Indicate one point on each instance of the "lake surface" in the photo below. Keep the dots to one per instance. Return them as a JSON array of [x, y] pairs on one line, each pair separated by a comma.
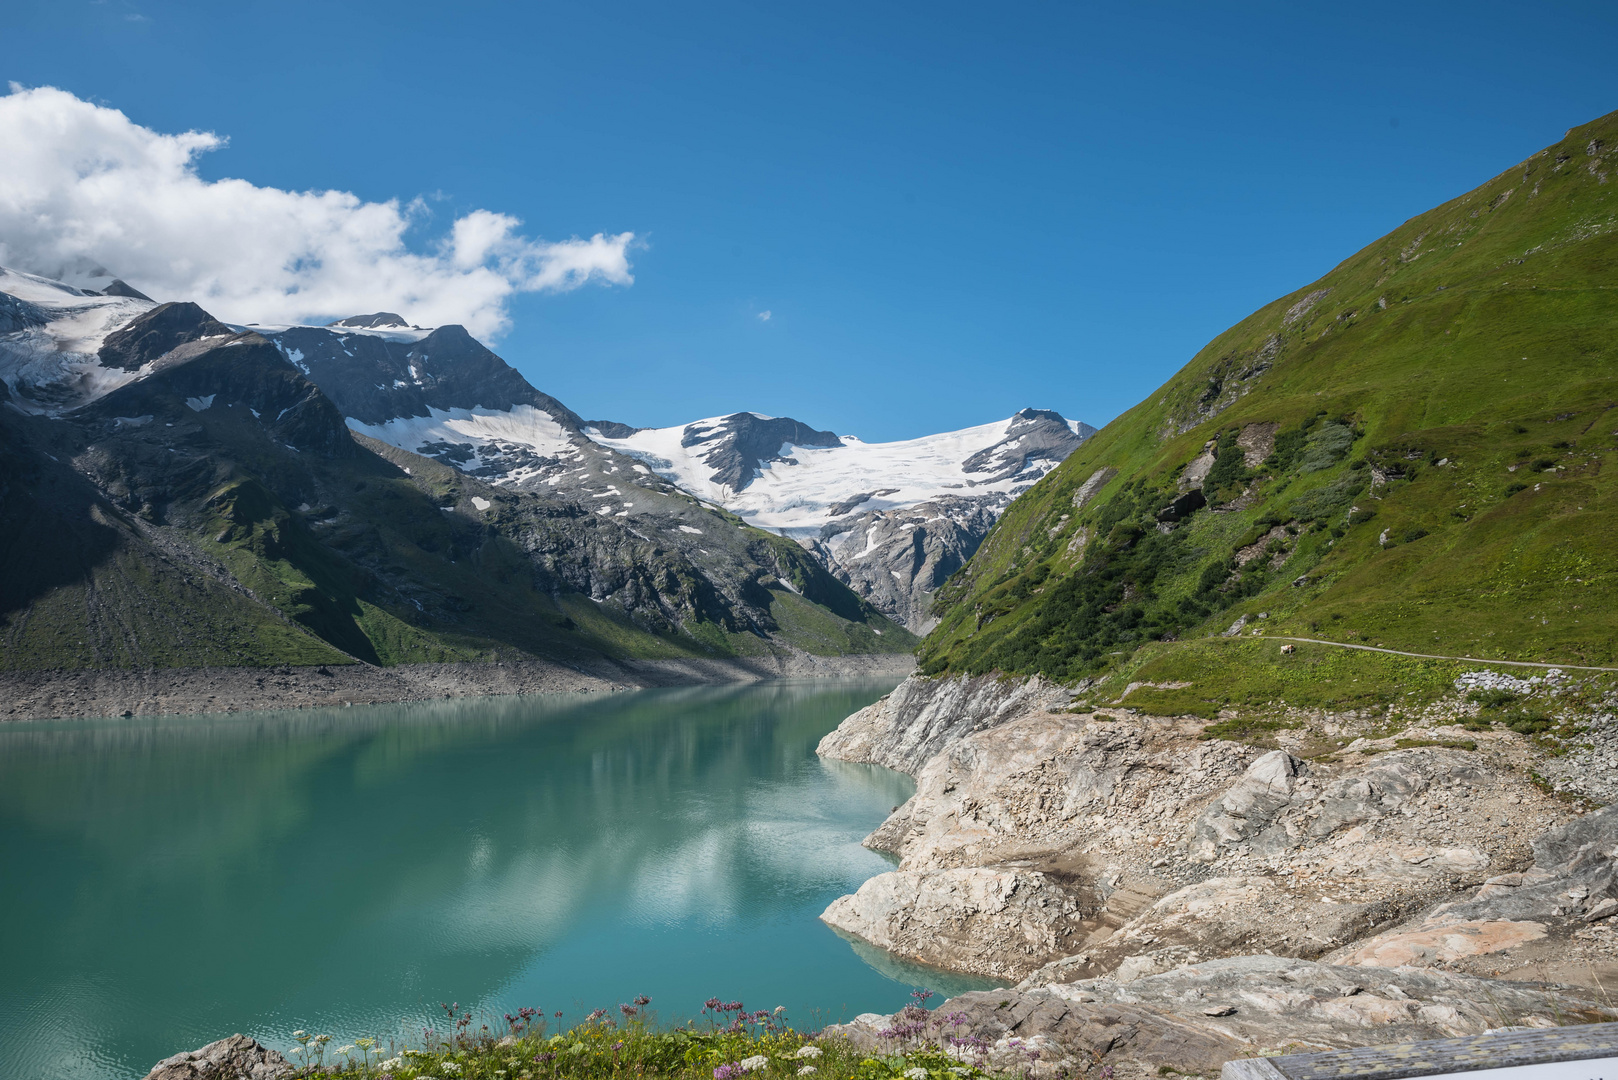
[[165, 882]]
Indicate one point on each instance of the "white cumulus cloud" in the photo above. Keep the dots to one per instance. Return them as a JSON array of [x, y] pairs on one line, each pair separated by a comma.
[[764, 316], [85, 191]]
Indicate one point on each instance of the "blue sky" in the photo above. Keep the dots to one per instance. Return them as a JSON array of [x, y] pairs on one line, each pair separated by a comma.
[[949, 211]]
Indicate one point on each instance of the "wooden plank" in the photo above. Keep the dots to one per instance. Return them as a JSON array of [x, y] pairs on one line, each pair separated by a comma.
[[1250, 1069]]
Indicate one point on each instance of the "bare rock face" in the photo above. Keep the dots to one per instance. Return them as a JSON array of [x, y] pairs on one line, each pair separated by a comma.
[[1194, 1019], [235, 1058], [1276, 804], [1160, 848], [921, 716], [1571, 884], [995, 922], [896, 559]]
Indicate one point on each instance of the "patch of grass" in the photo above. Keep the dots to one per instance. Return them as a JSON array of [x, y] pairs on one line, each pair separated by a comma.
[[1253, 676], [1444, 744], [1247, 730], [729, 1044], [822, 632], [1527, 722]]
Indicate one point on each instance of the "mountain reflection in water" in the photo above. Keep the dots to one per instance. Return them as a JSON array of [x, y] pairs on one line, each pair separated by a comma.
[[171, 880]]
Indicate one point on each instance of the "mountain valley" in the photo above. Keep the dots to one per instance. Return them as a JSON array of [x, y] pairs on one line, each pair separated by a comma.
[[209, 504]]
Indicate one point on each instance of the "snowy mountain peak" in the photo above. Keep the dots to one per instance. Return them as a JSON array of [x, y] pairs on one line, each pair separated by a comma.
[[382, 320], [1032, 435], [50, 334], [783, 474], [737, 448], [155, 332]]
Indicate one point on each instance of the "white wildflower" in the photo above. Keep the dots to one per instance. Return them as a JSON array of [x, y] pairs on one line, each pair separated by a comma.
[[808, 1052], [748, 1064], [300, 1034], [391, 1064], [917, 1073], [346, 1049], [808, 1070], [450, 1067]]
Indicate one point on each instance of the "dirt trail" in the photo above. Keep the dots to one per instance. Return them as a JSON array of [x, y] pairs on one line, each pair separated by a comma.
[[1435, 656]]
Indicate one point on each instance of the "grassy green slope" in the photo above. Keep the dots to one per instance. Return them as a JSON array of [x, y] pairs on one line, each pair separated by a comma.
[[1441, 473]]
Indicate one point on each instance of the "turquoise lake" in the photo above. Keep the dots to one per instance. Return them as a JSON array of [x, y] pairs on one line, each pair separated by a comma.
[[165, 882]]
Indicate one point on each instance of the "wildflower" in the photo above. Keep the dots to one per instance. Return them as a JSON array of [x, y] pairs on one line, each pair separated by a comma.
[[642, 999], [808, 1052], [392, 1063], [779, 1009], [449, 1067], [349, 1049], [808, 1070], [712, 1003], [724, 1072], [917, 1073], [748, 1064]]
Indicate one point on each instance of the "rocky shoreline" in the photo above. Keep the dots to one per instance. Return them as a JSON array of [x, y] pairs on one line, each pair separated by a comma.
[[1113, 864], [51, 695]]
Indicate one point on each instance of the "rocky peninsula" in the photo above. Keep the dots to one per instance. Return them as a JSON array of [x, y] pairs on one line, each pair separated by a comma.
[[1166, 898]]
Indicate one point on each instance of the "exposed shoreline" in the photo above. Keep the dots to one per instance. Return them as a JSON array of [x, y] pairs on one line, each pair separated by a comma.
[[54, 695]]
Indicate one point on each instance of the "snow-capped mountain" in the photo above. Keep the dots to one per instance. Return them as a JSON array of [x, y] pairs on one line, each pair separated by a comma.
[[208, 495], [53, 335], [783, 475], [890, 520]]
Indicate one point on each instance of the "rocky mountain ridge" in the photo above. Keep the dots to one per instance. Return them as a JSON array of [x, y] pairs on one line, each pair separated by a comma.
[[891, 520], [212, 506]]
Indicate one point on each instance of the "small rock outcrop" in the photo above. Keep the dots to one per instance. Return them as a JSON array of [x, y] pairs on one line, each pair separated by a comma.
[[922, 716], [234, 1058], [993, 922]]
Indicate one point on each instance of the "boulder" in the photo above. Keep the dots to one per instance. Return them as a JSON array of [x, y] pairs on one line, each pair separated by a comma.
[[233, 1058], [999, 922]]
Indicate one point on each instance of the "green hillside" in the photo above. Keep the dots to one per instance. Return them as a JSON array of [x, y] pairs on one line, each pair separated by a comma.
[[1411, 452]]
